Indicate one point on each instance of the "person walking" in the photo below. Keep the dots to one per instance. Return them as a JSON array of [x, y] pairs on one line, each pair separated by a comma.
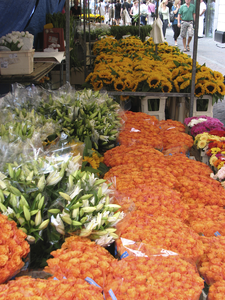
[[186, 17], [151, 12], [117, 12], [164, 9], [125, 10], [134, 12], [202, 10], [176, 29], [143, 12]]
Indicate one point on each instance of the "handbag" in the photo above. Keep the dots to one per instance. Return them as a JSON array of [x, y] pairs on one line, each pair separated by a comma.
[[172, 17], [161, 16], [152, 13]]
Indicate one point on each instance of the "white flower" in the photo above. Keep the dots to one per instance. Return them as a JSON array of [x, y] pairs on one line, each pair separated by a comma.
[[9, 212], [196, 121], [8, 40], [75, 192], [92, 179], [58, 223], [91, 225], [104, 240]]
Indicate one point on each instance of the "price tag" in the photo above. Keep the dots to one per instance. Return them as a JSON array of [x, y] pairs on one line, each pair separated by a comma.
[[125, 254]]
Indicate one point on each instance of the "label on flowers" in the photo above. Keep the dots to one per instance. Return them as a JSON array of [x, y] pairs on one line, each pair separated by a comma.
[[91, 281], [115, 251], [55, 278], [217, 233], [135, 130], [112, 295], [13, 55], [125, 254]]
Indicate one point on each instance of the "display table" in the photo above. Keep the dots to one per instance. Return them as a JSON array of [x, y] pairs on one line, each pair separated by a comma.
[[40, 70]]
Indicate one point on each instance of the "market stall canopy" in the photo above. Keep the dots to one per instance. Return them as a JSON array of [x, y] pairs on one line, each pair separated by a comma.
[[26, 15]]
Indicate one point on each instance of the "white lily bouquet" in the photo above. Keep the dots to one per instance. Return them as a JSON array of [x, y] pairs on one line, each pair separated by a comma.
[[16, 41]]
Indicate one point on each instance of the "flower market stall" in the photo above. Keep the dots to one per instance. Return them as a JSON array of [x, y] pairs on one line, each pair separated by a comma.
[[79, 174]]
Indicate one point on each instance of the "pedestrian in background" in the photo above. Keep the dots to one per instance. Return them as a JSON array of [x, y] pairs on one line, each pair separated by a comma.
[[134, 12], [151, 11], [186, 17], [202, 10], [117, 12], [143, 12], [176, 29], [164, 9]]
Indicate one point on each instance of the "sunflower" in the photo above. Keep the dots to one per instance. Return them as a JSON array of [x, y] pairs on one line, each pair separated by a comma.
[[166, 86], [91, 161], [124, 98], [135, 85], [97, 85], [221, 88], [199, 90], [204, 69], [210, 87], [88, 77], [175, 73], [119, 85], [94, 78], [218, 76], [185, 84], [153, 81], [177, 87]]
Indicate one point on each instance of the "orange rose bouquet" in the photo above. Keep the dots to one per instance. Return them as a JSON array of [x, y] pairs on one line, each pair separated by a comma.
[[207, 220], [80, 258], [40, 289], [160, 232], [212, 264], [154, 278], [198, 191], [155, 200], [13, 247], [217, 291]]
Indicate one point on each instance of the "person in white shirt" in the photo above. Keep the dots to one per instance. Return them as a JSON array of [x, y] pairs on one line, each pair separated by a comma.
[[164, 9], [134, 12], [143, 12], [202, 10]]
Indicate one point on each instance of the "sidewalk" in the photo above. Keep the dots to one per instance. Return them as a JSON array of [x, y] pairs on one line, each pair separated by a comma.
[[212, 55]]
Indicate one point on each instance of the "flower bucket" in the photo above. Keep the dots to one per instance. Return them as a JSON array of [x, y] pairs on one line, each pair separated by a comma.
[[154, 106], [203, 106]]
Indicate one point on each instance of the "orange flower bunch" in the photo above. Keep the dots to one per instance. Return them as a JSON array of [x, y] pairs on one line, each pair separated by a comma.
[[154, 278], [181, 165], [40, 289], [171, 125], [161, 232], [207, 220], [217, 291], [198, 191], [140, 128], [80, 258], [123, 155], [212, 264], [13, 247], [129, 177], [156, 200], [173, 139]]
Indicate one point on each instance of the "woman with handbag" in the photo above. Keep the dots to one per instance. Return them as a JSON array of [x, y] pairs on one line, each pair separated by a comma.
[[164, 10], [176, 29], [151, 12]]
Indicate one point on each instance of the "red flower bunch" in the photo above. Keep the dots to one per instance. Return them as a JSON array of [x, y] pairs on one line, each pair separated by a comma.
[[207, 220], [153, 278], [40, 289], [155, 200], [181, 166], [198, 191], [212, 264], [80, 258], [13, 247], [137, 154], [217, 291], [129, 177], [220, 133], [160, 232]]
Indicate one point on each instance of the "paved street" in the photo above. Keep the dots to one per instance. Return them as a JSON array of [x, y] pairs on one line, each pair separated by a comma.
[[213, 55]]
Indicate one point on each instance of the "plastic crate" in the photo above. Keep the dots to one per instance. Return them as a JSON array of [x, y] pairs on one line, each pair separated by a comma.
[[208, 107], [16, 62], [154, 106]]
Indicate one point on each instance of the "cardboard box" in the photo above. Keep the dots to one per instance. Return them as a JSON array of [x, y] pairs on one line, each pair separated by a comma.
[[17, 62]]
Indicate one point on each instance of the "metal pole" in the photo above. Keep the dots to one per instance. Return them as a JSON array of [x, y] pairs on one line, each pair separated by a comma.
[[157, 13], [67, 41], [194, 58], [85, 49], [139, 21]]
